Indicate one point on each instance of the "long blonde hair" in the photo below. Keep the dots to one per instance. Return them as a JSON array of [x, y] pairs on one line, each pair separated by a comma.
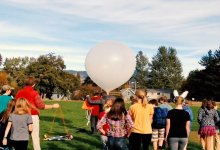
[[141, 94], [22, 106]]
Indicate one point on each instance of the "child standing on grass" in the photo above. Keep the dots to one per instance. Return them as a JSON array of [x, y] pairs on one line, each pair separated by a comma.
[[217, 126], [4, 122], [177, 126], [107, 106], [20, 123], [142, 115], [120, 124], [158, 125], [207, 118]]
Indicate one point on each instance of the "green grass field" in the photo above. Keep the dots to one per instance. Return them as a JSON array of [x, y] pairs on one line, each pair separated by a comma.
[[76, 124]]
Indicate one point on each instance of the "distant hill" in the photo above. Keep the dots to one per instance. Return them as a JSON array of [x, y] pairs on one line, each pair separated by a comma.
[[83, 74]]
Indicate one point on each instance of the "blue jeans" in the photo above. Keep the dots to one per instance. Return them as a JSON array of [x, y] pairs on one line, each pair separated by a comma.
[[117, 143]]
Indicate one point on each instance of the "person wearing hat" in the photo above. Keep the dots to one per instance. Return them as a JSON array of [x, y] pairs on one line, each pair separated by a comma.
[[5, 97]]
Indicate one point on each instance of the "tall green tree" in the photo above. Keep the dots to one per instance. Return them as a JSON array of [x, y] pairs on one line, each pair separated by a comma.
[[205, 83], [16, 66], [49, 72], [141, 72], [166, 69]]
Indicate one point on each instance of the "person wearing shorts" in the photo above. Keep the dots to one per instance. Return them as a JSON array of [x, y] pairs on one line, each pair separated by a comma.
[[158, 125]]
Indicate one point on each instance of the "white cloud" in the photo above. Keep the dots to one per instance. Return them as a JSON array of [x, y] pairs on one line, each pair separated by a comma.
[[41, 48], [73, 57], [192, 27], [129, 11], [9, 30], [190, 64]]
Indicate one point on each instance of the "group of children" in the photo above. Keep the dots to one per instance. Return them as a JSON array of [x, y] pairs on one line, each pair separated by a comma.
[[153, 121], [118, 125], [16, 125], [144, 122]]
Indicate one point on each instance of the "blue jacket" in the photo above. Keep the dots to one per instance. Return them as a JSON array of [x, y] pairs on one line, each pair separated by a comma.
[[189, 110]]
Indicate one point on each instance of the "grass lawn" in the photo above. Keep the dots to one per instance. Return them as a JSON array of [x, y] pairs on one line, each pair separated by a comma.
[[76, 124]]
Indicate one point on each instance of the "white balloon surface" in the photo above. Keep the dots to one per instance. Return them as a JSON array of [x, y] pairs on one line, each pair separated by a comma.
[[110, 64]]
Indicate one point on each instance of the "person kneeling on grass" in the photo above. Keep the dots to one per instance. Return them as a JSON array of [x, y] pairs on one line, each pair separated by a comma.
[[20, 122]]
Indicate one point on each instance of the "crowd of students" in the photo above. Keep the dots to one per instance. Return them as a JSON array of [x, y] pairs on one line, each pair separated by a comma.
[[154, 121], [134, 129], [19, 116]]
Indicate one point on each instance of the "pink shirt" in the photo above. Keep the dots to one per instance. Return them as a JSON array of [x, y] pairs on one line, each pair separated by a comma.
[[117, 128]]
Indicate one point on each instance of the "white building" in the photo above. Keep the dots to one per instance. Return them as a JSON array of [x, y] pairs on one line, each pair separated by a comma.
[[157, 93], [151, 93]]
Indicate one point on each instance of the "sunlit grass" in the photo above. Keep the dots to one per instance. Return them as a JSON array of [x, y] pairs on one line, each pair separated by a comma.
[[75, 122]]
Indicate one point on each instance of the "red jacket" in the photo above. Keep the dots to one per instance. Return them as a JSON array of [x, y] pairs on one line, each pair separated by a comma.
[[105, 126], [32, 97], [95, 110]]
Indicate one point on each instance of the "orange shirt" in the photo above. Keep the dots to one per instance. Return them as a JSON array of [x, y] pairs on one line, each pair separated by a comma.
[[141, 117]]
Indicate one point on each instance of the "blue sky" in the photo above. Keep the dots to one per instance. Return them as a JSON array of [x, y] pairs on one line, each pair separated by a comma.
[[70, 28]]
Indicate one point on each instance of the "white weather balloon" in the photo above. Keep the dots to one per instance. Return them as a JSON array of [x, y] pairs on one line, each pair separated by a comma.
[[110, 64]]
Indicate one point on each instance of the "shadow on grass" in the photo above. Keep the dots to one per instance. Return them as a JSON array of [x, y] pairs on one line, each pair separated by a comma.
[[57, 120]]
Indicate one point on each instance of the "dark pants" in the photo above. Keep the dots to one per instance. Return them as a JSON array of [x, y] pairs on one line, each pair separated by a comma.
[[136, 139], [93, 122], [117, 143], [20, 145]]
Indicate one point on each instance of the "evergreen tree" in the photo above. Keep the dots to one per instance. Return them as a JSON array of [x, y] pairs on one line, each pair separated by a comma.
[[205, 83], [141, 72], [166, 69]]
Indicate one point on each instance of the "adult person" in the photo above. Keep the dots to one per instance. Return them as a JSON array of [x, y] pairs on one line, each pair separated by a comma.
[[142, 114], [33, 97], [164, 103], [178, 126], [5, 98]]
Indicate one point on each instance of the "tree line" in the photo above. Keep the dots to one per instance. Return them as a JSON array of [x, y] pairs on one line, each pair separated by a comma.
[[163, 72]]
